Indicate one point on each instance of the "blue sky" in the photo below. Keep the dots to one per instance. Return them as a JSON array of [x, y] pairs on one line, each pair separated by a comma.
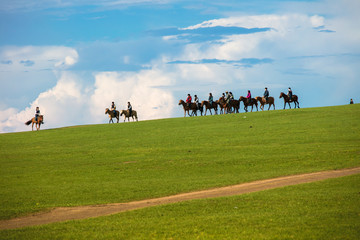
[[74, 57]]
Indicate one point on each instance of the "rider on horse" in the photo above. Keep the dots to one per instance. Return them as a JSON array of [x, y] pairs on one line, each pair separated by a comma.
[[113, 108], [290, 94], [196, 100], [37, 114], [249, 97], [266, 94], [188, 100], [130, 109], [211, 99]]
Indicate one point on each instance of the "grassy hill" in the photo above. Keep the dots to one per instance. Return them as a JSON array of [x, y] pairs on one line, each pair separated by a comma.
[[107, 163]]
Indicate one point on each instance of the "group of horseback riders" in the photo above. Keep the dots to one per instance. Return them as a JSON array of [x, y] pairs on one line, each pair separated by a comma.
[[228, 102]]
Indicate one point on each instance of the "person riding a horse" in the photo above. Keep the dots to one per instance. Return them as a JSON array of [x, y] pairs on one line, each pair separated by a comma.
[[37, 114], [227, 97], [211, 99], [249, 97], [196, 100], [113, 108], [130, 109], [266, 94], [188, 100], [290, 94]]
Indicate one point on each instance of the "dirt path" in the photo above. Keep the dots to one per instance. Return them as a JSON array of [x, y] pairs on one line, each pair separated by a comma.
[[72, 213]]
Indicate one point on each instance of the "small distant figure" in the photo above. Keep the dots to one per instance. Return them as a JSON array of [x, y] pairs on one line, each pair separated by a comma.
[[113, 108], [130, 109], [266, 94], [249, 97], [37, 113], [351, 101], [290, 94], [188, 100], [231, 96], [196, 100], [211, 99]]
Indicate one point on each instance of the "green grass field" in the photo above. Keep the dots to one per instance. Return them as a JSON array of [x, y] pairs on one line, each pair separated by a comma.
[[322, 210], [105, 163]]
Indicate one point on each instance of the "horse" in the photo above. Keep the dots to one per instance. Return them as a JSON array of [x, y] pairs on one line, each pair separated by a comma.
[[40, 120], [222, 104], [127, 115], [112, 115], [287, 100], [193, 107], [246, 104], [234, 104], [263, 102], [209, 106]]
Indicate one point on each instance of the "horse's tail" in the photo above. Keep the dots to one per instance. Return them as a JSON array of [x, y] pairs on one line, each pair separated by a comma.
[[28, 122]]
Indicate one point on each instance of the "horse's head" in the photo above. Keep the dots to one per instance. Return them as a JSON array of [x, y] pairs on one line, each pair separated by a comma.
[[282, 95], [181, 102], [258, 98], [122, 112], [106, 110], [202, 103], [41, 118], [241, 98]]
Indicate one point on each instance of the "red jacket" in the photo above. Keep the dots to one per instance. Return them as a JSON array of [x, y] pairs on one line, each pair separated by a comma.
[[249, 95], [188, 100]]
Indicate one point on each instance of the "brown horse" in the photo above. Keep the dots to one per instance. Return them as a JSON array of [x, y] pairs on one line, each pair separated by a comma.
[[193, 107], [222, 104], [209, 106], [127, 115], [40, 120], [246, 104], [112, 115], [288, 100], [263, 102], [234, 104]]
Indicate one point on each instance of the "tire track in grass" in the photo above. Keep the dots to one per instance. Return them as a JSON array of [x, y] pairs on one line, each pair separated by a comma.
[[75, 213]]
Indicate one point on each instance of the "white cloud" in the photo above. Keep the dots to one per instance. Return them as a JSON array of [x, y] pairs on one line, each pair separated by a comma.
[[28, 58]]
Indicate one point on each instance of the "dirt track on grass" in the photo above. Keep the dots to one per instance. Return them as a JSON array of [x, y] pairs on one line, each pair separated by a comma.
[[73, 213]]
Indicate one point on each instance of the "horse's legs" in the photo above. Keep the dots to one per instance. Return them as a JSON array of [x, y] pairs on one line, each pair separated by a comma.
[[289, 105]]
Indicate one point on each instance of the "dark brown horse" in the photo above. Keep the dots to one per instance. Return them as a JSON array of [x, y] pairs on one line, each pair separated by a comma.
[[127, 115], [246, 103], [209, 106], [193, 107], [263, 102], [112, 115], [40, 120], [294, 99], [234, 104]]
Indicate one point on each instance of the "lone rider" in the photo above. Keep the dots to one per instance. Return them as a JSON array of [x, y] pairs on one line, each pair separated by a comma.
[[266, 94], [130, 109], [113, 108], [249, 97], [37, 114], [188, 100], [290, 94]]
